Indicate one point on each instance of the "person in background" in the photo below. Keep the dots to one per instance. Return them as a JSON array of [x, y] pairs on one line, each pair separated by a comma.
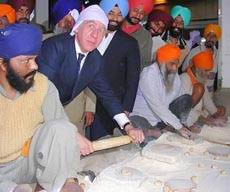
[[122, 66], [7, 15], [38, 144], [198, 71], [23, 9], [158, 23], [63, 14], [138, 9], [212, 33], [181, 19]]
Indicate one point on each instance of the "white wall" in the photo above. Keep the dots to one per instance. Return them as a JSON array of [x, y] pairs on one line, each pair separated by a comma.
[[225, 44], [42, 12]]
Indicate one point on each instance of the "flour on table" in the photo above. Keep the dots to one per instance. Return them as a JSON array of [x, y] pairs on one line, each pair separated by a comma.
[[179, 185], [178, 139], [219, 151]]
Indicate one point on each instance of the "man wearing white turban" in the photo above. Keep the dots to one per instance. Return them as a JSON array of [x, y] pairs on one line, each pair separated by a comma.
[[72, 63], [122, 66]]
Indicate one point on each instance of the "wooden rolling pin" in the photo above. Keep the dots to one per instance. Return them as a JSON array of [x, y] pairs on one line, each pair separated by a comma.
[[111, 142]]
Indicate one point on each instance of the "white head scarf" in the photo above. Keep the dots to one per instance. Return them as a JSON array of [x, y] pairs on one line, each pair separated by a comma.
[[93, 12]]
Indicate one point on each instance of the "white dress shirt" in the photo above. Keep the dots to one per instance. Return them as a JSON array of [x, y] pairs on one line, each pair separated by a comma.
[[152, 100], [105, 42]]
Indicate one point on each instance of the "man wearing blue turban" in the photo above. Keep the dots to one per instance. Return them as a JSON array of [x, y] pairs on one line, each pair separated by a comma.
[[122, 66], [38, 144], [64, 14], [181, 16], [181, 19]]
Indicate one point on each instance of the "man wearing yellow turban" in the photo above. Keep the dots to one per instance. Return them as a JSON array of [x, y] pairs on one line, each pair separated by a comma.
[[201, 64], [138, 9], [7, 15], [212, 33], [160, 92]]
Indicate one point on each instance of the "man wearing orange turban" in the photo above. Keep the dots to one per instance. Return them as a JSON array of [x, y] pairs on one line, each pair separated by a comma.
[[212, 33], [160, 99], [7, 15], [201, 64], [138, 9]]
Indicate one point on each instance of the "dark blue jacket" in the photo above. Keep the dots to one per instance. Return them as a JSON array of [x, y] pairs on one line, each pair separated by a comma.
[[57, 61], [121, 70]]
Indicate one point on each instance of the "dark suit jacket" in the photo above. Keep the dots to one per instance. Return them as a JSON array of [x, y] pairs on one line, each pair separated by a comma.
[[57, 60], [121, 70]]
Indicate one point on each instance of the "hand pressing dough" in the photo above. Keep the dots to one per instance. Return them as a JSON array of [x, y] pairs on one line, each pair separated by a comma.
[[158, 183], [194, 179], [163, 152], [179, 185]]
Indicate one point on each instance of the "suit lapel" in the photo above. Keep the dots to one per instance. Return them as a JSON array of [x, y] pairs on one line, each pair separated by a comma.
[[113, 43]]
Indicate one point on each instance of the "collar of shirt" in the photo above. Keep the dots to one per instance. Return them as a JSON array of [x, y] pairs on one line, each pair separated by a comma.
[[18, 94], [78, 50], [105, 43]]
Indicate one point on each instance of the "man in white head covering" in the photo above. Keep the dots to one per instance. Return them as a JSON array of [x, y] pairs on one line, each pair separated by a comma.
[[72, 63], [122, 67]]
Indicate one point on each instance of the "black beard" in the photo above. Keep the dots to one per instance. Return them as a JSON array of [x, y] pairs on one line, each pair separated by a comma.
[[129, 19], [17, 82], [114, 27], [155, 34], [209, 44], [23, 20], [175, 32]]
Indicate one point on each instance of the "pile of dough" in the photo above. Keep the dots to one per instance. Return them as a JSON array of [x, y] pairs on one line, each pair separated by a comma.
[[163, 152], [179, 185], [216, 134]]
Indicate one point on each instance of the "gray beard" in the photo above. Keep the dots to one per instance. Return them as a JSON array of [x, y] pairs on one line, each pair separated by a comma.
[[168, 78], [58, 30], [200, 78]]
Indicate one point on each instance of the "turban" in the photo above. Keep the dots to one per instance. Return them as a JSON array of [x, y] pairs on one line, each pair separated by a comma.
[[203, 60], [168, 52], [148, 5], [20, 39], [16, 4], [8, 11], [92, 13], [214, 28], [62, 8], [107, 6], [184, 12], [159, 15]]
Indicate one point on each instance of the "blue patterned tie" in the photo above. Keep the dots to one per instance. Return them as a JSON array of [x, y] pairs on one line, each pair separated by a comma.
[[79, 59]]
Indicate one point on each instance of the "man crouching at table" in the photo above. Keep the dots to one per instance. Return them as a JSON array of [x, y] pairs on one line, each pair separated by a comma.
[[37, 142]]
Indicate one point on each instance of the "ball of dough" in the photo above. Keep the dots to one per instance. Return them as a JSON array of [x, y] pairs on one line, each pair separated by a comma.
[[158, 183], [194, 179]]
